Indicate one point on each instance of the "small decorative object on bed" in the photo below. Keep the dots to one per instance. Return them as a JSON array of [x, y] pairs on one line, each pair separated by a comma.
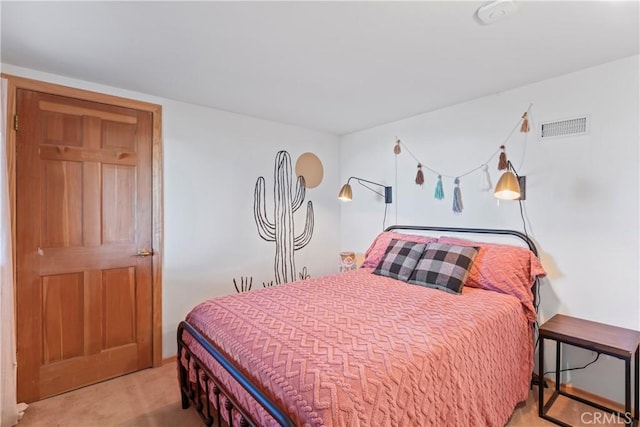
[[363, 349], [444, 267], [399, 259]]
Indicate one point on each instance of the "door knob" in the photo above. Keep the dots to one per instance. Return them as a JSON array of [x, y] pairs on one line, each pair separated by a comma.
[[144, 252]]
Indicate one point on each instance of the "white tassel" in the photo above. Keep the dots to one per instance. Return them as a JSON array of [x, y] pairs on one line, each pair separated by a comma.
[[485, 184]]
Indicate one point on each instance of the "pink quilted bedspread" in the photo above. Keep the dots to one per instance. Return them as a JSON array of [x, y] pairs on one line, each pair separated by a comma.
[[356, 349]]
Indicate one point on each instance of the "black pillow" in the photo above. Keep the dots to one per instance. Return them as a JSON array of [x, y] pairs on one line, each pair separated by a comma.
[[443, 266], [399, 259]]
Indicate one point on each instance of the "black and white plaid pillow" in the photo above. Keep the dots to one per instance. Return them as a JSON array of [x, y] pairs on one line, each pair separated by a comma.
[[399, 259], [445, 267]]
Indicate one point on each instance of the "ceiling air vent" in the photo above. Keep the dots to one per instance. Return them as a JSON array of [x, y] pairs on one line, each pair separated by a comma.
[[564, 128]]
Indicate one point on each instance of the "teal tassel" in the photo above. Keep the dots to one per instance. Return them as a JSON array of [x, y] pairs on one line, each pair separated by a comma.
[[457, 197], [439, 193]]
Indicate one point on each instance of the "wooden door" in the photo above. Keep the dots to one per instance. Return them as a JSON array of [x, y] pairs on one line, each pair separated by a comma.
[[83, 214]]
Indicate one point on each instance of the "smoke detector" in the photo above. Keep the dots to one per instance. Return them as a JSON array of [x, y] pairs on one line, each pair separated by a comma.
[[495, 11]]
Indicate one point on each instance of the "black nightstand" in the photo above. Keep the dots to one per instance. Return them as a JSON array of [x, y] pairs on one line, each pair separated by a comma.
[[611, 340]]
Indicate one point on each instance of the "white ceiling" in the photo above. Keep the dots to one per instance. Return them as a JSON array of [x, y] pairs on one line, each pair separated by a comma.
[[333, 66]]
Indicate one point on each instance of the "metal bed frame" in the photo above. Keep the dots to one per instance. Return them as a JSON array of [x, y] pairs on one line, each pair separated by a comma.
[[201, 396]]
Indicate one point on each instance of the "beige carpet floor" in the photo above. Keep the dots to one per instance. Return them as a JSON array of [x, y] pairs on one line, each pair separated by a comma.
[[151, 398]]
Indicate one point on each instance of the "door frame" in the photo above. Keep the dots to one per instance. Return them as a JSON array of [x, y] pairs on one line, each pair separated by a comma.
[[157, 233]]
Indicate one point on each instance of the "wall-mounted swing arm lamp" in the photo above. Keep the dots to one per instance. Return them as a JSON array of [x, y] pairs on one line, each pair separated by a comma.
[[345, 191], [510, 186]]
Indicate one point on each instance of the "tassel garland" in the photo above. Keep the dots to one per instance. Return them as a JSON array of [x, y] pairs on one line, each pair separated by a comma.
[[420, 175], [485, 184], [457, 197], [439, 193], [396, 148], [502, 161], [525, 123]]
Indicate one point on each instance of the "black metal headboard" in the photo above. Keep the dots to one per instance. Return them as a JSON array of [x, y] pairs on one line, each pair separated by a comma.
[[518, 234]]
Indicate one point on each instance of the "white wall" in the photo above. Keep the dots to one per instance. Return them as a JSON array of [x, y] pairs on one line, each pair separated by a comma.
[[211, 162], [582, 192]]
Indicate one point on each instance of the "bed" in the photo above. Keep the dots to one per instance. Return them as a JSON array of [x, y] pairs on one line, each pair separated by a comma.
[[364, 349]]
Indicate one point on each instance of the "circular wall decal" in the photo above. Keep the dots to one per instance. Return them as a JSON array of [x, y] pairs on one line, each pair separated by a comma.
[[309, 166]]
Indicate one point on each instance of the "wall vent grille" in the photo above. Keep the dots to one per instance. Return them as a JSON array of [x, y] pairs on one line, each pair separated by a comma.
[[563, 128]]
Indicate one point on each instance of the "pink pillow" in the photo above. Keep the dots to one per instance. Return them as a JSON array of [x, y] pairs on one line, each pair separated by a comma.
[[377, 249], [503, 268]]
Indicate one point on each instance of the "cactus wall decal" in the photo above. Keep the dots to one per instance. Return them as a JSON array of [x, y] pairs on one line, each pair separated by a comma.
[[281, 229], [304, 275], [245, 284]]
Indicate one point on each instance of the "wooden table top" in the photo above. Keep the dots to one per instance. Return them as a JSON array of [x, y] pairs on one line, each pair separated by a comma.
[[600, 337]]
